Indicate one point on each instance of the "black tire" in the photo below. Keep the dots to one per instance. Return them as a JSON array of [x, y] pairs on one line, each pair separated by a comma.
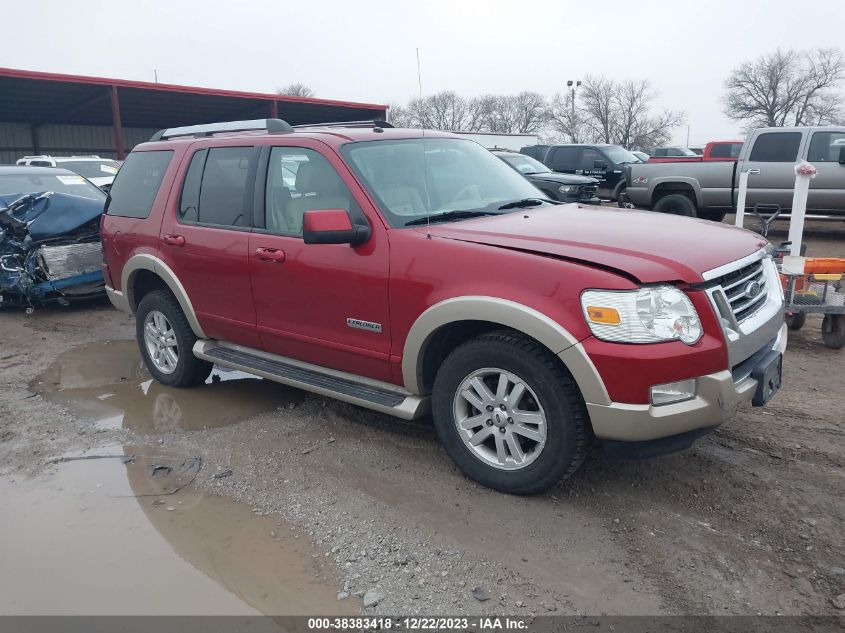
[[190, 370], [617, 191], [713, 216], [676, 204], [833, 330], [567, 424], [796, 320]]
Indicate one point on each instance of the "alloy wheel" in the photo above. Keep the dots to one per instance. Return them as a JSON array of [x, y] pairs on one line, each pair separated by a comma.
[[499, 418]]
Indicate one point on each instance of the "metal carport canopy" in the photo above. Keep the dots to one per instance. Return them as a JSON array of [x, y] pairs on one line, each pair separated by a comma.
[[40, 98]]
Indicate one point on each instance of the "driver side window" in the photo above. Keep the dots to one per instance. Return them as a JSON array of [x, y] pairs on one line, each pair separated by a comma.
[[300, 180]]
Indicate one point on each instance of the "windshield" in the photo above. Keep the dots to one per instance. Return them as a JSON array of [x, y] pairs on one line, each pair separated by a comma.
[[92, 168], [12, 186], [411, 178], [524, 164], [618, 155]]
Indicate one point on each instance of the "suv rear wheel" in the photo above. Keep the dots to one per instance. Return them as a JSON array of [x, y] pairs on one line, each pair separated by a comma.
[[509, 414], [166, 341]]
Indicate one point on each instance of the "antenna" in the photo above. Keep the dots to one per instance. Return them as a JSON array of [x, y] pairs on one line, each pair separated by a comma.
[[425, 160]]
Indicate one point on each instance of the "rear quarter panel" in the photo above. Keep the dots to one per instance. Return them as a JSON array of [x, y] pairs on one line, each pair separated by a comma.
[[125, 237]]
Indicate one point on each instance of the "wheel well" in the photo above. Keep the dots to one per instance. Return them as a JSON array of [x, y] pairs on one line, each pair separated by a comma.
[[446, 338], [143, 283], [668, 188]]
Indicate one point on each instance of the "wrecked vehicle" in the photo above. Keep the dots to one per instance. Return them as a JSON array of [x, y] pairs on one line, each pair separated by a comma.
[[49, 236]]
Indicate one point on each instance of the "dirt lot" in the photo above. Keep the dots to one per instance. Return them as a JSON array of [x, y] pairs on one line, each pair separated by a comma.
[[292, 503]]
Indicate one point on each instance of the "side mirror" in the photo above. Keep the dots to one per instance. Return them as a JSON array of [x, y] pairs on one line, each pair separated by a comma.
[[842, 155], [599, 164], [332, 226]]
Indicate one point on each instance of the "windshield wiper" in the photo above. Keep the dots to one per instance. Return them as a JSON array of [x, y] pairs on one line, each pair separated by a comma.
[[521, 204], [449, 215]]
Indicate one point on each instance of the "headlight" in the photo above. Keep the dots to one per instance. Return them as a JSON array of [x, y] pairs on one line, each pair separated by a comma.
[[566, 188], [648, 315]]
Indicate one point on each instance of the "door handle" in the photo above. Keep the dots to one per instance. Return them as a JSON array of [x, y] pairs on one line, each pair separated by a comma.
[[753, 172], [273, 255], [174, 240]]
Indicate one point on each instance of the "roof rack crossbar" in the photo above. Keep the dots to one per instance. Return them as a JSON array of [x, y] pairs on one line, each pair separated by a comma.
[[370, 123], [272, 126]]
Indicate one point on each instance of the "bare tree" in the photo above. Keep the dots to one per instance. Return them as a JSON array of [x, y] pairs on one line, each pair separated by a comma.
[[597, 103], [787, 88], [441, 111], [606, 111], [296, 90], [634, 124], [616, 112], [567, 120], [523, 113], [399, 116], [529, 112]]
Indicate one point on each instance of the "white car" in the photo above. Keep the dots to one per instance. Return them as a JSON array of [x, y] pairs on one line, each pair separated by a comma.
[[100, 171]]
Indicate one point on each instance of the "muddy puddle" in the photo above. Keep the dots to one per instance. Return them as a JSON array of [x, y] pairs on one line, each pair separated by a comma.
[[108, 384], [124, 532]]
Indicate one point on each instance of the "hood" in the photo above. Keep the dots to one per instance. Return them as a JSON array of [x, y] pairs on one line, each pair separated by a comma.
[[651, 247], [564, 179], [47, 215]]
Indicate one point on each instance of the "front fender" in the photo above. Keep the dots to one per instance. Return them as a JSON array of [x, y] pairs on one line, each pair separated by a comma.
[[508, 314]]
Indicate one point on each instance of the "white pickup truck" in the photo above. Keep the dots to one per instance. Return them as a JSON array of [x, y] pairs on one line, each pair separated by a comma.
[[709, 190]]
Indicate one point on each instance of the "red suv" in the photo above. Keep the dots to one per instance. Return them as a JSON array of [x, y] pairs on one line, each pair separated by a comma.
[[404, 271]]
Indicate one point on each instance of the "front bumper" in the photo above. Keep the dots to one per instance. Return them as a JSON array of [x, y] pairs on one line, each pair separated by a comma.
[[718, 396]]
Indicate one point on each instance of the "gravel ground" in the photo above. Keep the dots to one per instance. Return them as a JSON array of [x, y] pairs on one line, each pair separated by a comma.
[[748, 521]]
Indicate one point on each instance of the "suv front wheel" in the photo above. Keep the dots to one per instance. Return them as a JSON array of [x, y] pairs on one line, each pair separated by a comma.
[[166, 341], [509, 414]]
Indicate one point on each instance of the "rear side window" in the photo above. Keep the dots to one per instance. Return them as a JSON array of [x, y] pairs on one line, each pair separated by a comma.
[[189, 201], [138, 182], [825, 147], [776, 147], [226, 187], [562, 157]]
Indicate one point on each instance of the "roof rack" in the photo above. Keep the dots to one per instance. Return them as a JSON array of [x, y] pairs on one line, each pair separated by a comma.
[[272, 126], [365, 124]]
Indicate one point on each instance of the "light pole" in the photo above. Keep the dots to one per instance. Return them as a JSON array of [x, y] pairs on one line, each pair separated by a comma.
[[573, 86]]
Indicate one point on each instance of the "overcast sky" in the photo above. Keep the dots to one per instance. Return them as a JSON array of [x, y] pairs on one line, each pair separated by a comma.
[[365, 51]]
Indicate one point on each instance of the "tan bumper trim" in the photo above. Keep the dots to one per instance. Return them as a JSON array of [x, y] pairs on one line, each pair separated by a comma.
[[118, 299], [717, 400]]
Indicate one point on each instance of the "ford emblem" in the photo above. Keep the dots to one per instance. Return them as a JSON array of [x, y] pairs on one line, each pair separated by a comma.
[[752, 289]]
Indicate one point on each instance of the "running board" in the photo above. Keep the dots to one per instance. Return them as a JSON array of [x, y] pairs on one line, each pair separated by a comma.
[[364, 392]]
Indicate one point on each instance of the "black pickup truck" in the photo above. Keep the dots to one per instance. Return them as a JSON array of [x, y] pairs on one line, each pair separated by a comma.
[[605, 163]]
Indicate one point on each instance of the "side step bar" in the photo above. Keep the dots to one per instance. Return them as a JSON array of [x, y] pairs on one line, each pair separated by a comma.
[[364, 392]]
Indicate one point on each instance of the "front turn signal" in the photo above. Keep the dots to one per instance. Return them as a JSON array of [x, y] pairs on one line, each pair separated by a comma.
[[608, 316]]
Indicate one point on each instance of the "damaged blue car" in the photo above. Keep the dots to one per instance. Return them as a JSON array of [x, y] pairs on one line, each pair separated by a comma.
[[50, 247]]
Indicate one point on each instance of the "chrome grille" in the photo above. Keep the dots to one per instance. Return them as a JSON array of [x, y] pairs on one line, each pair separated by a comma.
[[745, 289]]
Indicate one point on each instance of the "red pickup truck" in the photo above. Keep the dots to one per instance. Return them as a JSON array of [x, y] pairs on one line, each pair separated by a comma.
[[408, 272], [713, 151]]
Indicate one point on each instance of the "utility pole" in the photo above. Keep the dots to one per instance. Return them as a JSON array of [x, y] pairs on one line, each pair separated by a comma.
[[687, 134], [155, 74], [573, 86]]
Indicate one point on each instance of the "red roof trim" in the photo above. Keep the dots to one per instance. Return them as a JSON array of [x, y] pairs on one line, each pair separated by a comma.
[[148, 85]]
